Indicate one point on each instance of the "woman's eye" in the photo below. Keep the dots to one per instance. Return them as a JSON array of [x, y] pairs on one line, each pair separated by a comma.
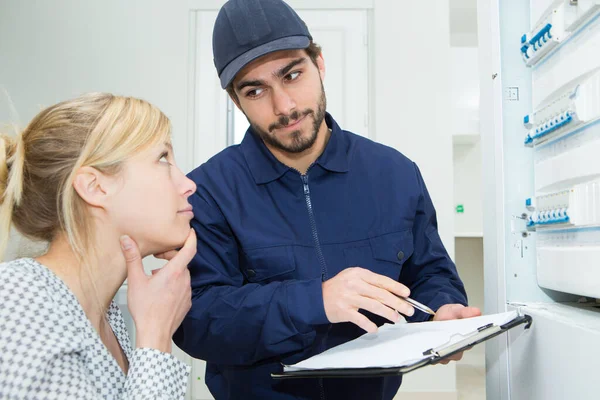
[[164, 159]]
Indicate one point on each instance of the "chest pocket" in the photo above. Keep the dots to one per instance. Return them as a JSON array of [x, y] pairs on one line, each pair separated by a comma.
[[384, 254], [268, 264]]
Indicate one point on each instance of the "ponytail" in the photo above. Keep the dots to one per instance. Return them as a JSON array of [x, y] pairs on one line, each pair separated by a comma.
[[12, 160]]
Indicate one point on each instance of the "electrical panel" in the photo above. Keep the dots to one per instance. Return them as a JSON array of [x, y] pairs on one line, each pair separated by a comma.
[[558, 23], [572, 108], [563, 132]]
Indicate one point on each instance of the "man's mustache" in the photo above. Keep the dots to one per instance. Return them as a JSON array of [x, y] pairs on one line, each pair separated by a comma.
[[293, 117]]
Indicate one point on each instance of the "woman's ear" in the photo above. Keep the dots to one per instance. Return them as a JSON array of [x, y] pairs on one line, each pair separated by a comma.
[[91, 185]]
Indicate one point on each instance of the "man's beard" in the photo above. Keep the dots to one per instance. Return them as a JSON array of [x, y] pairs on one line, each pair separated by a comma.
[[298, 144]]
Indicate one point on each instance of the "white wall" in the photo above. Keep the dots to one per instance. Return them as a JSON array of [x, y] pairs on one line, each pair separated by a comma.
[[463, 23], [464, 90], [469, 262], [411, 47], [52, 51], [59, 49], [468, 189], [64, 48], [411, 86], [56, 50]]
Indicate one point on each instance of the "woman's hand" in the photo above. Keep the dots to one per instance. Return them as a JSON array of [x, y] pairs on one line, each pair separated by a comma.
[[158, 303]]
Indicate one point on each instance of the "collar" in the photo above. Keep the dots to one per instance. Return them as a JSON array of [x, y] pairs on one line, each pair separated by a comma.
[[266, 168]]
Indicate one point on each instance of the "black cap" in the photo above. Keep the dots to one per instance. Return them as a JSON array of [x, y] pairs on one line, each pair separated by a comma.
[[248, 29]]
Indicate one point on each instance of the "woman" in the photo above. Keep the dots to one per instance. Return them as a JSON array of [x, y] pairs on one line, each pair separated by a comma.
[[95, 178]]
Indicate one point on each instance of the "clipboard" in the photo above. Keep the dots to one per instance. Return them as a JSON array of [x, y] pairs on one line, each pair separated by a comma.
[[431, 356]]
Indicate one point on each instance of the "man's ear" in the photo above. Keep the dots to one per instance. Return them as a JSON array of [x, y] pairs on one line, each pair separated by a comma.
[[91, 185], [321, 66]]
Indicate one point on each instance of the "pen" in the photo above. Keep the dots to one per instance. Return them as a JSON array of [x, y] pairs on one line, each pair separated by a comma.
[[418, 305]]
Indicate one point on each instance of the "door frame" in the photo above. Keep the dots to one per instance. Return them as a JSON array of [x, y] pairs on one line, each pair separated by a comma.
[[492, 147]]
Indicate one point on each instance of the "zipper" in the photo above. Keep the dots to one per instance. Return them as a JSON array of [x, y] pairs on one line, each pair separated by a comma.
[[313, 225]]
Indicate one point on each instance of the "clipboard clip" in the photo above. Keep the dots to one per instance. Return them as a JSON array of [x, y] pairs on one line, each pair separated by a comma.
[[434, 351], [431, 352], [484, 327]]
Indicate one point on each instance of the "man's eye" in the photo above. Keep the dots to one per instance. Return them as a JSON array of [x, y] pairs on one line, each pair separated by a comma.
[[254, 92], [293, 76]]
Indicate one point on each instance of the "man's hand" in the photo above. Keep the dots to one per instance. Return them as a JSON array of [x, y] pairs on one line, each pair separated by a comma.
[[357, 288], [455, 311]]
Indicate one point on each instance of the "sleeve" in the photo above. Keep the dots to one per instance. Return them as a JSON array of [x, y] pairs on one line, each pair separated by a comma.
[[40, 353], [155, 375], [430, 273], [235, 322]]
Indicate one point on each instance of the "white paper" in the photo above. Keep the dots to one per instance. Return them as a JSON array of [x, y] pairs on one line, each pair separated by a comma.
[[398, 345]]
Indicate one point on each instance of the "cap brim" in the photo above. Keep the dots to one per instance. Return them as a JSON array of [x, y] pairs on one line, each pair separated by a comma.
[[286, 43]]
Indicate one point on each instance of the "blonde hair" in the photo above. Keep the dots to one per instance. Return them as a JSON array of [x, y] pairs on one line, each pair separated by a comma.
[[37, 168]]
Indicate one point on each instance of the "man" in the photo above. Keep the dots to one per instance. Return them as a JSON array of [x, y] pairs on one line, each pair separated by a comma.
[[308, 235]]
